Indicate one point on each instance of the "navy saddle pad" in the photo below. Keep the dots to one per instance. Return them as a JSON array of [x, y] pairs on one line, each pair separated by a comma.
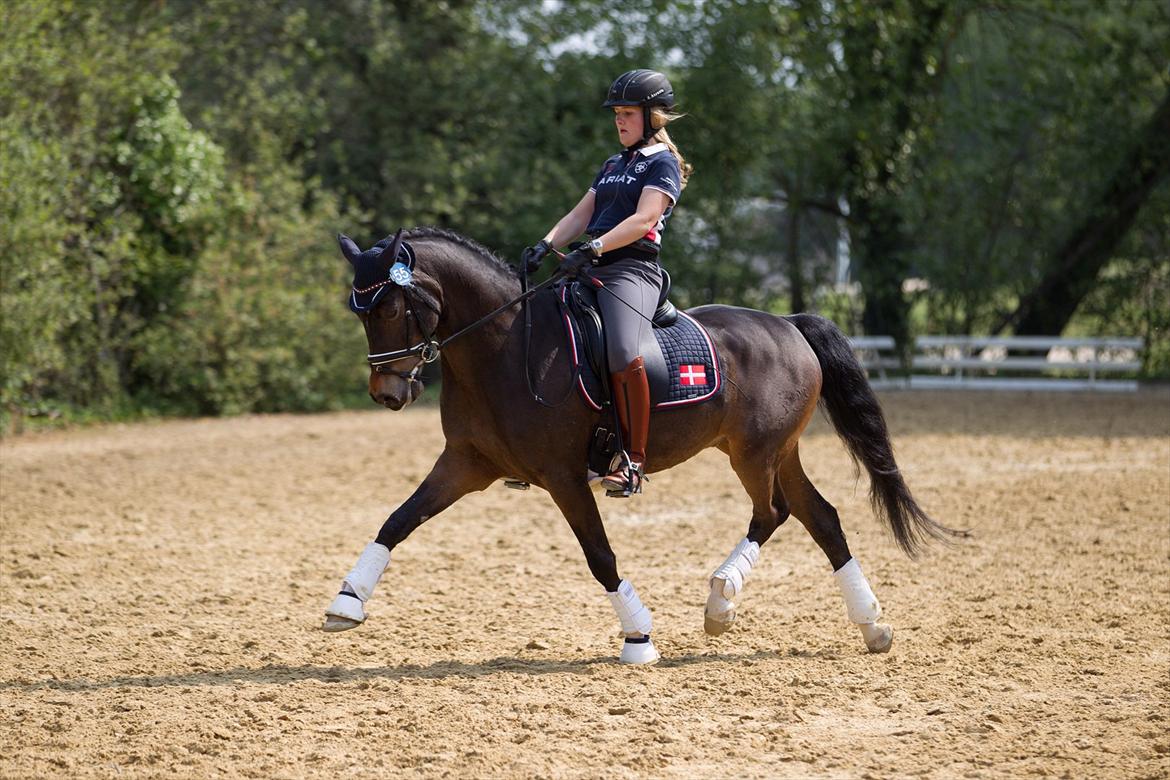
[[681, 362]]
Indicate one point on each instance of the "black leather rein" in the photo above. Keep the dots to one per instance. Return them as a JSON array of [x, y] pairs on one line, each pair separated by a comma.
[[429, 349]]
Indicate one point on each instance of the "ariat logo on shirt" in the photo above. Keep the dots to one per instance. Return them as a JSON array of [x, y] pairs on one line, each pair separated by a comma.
[[640, 167], [618, 177]]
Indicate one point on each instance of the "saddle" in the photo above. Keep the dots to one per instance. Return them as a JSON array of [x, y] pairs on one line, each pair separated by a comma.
[[682, 365]]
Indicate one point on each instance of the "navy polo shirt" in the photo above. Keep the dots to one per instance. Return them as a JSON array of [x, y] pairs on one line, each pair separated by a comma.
[[619, 185]]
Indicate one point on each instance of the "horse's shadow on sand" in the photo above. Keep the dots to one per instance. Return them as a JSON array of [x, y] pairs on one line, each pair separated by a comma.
[[440, 670]]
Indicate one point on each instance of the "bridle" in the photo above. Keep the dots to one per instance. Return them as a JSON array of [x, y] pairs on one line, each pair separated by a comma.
[[427, 350], [430, 348]]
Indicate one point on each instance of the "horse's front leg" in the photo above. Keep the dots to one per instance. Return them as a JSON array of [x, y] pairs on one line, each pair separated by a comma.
[[575, 500], [455, 474]]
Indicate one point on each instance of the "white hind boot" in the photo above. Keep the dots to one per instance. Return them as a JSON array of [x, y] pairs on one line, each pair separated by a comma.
[[863, 607], [726, 583], [348, 609], [636, 625]]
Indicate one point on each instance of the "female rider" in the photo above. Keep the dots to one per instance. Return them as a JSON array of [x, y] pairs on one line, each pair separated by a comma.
[[623, 213]]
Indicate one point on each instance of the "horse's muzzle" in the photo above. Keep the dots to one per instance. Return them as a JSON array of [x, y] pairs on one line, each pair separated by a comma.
[[394, 392]]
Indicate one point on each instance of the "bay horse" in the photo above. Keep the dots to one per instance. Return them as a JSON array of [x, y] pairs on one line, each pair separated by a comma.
[[414, 294]]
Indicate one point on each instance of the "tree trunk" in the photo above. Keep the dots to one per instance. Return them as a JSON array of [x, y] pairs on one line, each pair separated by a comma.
[[880, 246], [795, 275], [1077, 262], [890, 89]]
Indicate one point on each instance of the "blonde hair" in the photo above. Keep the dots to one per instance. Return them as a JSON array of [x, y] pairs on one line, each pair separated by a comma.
[[659, 119]]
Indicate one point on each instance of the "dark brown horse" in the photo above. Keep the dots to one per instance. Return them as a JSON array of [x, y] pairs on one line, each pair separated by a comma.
[[778, 369]]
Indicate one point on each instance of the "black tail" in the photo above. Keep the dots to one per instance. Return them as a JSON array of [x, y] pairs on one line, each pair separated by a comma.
[[856, 414]]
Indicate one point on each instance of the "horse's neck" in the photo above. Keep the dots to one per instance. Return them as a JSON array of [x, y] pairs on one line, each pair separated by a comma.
[[472, 289]]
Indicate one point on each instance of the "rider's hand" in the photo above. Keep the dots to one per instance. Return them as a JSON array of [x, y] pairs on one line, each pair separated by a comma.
[[575, 261], [532, 257]]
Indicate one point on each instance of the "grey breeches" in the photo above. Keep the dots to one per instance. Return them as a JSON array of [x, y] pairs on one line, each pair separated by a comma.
[[637, 282]]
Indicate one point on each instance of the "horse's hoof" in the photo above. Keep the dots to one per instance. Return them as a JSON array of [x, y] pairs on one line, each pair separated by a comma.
[[334, 623], [346, 612], [879, 637], [714, 625], [639, 650]]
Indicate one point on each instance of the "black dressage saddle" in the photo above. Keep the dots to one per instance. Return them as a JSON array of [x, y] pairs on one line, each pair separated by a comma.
[[580, 298]]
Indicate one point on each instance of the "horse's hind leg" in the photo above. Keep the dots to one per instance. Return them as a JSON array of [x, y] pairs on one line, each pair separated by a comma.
[[820, 519], [757, 473]]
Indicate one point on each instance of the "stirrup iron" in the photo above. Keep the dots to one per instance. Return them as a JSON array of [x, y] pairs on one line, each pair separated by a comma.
[[633, 479]]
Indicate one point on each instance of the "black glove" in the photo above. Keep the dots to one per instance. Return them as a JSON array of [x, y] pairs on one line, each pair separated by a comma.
[[533, 256], [575, 261]]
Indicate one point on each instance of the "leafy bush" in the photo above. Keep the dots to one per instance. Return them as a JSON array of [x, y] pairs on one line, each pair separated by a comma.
[[262, 325]]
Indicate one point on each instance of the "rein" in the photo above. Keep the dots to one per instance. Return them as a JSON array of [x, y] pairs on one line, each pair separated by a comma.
[[429, 349]]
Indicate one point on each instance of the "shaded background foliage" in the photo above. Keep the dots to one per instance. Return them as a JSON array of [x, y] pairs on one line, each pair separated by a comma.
[[174, 171]]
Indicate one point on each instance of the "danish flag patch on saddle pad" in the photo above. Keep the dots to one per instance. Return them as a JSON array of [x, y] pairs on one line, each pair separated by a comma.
[[684, 369]]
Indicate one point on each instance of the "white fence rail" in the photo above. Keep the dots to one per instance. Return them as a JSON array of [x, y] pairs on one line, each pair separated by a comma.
[[877, 355], [964, 362]]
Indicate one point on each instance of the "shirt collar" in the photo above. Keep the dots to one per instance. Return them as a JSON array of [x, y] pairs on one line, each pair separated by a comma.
[[645, 151]]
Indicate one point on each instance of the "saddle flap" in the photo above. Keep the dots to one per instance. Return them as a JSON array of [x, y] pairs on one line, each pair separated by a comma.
[[585, 313]]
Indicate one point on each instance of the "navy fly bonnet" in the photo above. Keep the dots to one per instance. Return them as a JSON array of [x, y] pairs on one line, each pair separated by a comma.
[[387, 263]]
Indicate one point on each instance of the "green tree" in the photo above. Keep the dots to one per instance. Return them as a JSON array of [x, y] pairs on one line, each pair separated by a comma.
[[85, 214]]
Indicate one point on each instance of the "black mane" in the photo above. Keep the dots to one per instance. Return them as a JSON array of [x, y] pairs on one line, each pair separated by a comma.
[[428, 231]]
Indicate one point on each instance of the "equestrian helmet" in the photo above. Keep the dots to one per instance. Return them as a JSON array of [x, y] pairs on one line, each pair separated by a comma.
[[640, 88], [645, 88]]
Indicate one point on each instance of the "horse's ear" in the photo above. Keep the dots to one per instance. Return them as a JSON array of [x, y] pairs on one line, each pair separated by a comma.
[[348, 248], [390, 255]]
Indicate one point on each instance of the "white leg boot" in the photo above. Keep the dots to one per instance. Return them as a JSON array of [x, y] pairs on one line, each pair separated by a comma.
[[348, 609], [863, 607], [726, 583], [636, 625]]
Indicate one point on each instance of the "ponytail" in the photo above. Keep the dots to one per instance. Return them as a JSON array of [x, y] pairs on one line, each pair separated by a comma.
[[659, 119]]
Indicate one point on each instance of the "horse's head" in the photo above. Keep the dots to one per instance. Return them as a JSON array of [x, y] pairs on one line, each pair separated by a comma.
[[399, 310]]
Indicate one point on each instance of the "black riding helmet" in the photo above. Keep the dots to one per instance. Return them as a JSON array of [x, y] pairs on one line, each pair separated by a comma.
[[645, 88]]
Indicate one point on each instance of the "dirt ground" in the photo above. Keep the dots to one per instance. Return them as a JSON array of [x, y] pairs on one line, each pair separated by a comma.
[[163, 588]]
